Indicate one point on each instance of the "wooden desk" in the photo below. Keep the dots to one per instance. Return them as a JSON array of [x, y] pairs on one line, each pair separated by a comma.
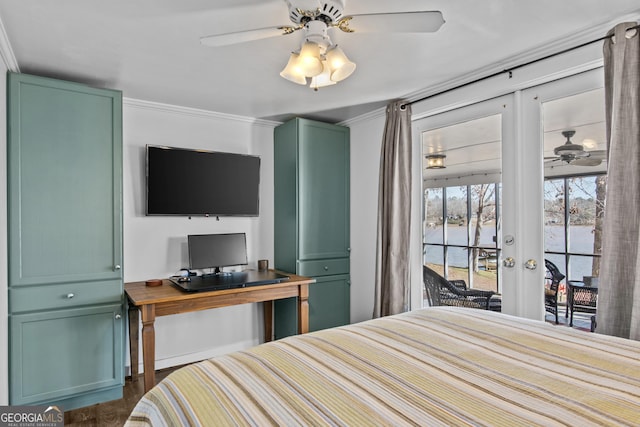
[[167, 299]]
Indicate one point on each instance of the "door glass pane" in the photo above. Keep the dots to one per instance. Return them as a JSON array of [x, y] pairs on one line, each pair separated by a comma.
[[458, 268], [582, 214], [461, 212], [457, 216], [580, 266], [554, 238], [483, 215], [434, 256], [560, 262], [575, 182], [433, 223]]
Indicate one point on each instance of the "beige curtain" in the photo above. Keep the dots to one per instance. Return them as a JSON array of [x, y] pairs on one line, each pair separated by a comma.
[[619, 290], [394, 214]]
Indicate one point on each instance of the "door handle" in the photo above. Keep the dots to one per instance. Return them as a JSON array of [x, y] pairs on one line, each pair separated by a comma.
[[531, 264]]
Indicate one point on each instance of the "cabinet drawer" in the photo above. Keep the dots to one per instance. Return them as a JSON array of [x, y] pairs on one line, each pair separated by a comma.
[[51, 297], [326, 267]]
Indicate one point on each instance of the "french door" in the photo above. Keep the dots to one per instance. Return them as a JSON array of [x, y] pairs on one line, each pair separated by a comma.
[[499, 141], [467, 205]]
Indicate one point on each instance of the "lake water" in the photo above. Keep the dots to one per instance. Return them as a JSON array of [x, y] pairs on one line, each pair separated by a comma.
[[580, 238]]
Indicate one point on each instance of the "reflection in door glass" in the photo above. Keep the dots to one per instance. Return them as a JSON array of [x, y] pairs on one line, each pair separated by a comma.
[[575, 182], [457, 216], [461, 231]]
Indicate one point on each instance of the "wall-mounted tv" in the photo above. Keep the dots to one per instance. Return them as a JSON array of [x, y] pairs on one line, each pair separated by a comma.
[[195, 182]]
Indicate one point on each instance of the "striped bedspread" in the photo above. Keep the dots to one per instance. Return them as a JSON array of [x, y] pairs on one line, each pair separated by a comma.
[[441, 366]]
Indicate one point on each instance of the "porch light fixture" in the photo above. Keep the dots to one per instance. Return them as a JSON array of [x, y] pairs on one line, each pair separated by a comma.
[[318, 59], [435, 161]]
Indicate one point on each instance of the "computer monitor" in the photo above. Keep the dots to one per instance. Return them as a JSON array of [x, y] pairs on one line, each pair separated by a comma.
[[214, 251]]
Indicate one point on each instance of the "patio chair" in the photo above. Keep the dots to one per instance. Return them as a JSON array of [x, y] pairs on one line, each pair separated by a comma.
[[441, 291], [553, 277]]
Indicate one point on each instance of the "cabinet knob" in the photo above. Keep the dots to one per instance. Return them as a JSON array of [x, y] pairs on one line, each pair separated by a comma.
[[326, 268], [70, 295], [117, 267], [118, 316]]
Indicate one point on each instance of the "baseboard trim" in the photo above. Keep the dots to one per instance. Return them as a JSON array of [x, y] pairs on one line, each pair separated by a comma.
[[185, 359]]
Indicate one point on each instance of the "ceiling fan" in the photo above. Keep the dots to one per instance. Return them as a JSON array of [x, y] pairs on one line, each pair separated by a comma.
[[318, 57], [575, 154]]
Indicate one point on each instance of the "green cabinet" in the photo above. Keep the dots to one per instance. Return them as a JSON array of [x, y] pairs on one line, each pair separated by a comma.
[[311, 187], [64, 173]]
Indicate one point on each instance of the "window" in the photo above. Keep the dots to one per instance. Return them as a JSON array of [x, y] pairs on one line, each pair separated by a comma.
[[461, 231], [573, 213]]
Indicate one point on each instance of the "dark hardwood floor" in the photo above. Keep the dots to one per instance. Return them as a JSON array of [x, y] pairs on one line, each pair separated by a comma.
[[113, 413]]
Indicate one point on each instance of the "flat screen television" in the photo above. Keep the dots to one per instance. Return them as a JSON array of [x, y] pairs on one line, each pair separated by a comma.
[[195, 182], [214, 251]]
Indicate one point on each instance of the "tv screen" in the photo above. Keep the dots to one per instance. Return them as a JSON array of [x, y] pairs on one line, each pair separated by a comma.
[[216, 250], [194, 182]]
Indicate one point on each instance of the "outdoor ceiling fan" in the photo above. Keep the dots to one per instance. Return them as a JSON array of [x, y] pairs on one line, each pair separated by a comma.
[[575, 154], [318, 57]]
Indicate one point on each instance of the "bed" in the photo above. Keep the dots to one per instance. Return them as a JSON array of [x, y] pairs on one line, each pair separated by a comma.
[[436, 366]]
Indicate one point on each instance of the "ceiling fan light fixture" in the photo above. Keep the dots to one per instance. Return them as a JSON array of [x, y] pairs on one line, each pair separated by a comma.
[[309, 59], [323, 79], [569, 150], [341, 67], [293, 71]]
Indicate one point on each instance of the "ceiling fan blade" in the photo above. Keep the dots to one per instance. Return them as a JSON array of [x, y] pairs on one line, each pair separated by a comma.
[[598, 154], [587, 161], [238, 37], [401, 22]]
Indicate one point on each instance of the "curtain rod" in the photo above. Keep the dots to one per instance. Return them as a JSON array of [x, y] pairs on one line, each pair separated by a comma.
[[511, 69]]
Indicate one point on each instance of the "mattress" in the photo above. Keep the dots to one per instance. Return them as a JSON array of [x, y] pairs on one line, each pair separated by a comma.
[[439, 366]]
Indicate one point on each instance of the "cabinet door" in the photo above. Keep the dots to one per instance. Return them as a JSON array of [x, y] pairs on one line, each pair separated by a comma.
[[323, 191], [329, 306], [62, 353], [64, 177], [329, 302]]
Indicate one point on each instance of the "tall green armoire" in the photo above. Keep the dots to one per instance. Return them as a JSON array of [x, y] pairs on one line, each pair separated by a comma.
[[64, 173], [311, 186]]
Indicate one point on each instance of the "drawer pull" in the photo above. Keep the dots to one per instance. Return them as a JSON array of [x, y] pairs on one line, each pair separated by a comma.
[[70, 295], [326, 268]]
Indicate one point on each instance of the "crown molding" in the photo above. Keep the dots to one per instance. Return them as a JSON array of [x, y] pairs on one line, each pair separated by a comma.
[[195, 112], [6, 52], [374, 114]]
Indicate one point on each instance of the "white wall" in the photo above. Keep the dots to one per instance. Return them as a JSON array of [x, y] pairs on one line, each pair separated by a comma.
[[155, 247], [366, 142]]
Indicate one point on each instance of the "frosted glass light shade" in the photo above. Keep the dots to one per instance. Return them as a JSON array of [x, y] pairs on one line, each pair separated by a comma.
[[309, 60], [435, 161], [323, 79], [293, 71], [341, 67]]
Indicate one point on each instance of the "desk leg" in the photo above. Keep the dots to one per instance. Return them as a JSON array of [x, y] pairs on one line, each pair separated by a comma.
[[303, 309], [148, 345], [268, 320], [133, 340]]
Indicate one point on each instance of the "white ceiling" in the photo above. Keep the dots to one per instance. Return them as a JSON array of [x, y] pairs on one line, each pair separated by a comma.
[[150, 49]]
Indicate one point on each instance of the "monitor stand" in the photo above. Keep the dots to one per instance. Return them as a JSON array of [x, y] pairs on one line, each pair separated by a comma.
[[216, 272]]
